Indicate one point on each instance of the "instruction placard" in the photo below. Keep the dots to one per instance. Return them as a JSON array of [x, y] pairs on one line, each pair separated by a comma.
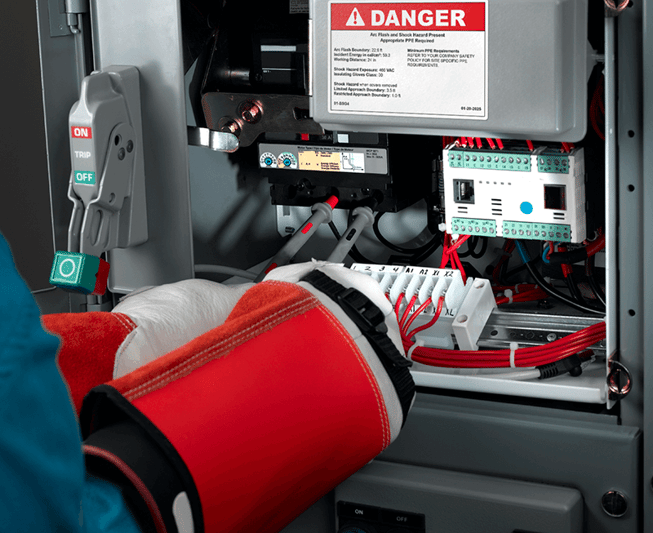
[[409, 59]]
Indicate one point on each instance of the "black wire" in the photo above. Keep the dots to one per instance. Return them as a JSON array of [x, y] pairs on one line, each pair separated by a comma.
[[472, 242], [432, 246], [574, 291], [484, 245], [553, 292], [335, 231], [392, 246], [354, 253], [596, 288]]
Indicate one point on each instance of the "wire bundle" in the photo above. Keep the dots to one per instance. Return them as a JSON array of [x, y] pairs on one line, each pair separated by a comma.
[[450, 253], [524, 357]]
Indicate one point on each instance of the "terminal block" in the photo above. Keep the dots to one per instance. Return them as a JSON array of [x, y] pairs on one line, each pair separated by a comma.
[[466, 308], [524, 194]]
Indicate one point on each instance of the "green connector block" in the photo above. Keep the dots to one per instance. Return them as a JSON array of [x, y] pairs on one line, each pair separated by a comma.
[[553, 163], [474, 226], [537, 231], [494, 160], [76, 272]]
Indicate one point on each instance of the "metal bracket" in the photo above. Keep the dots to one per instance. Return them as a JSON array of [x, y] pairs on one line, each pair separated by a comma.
[[219, 141], [249, 115], [107, 183]]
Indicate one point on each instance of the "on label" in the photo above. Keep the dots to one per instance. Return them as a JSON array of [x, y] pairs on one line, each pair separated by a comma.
[[79, 132]]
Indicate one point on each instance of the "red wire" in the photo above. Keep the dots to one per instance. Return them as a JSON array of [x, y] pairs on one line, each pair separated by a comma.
[[524, 357], [479, 142], [416, 314], [530, 145], [407, 311], [438, 310], [491, 143], [398, 304], [459, 266], [500, 144], [470, 141], [461, 240]]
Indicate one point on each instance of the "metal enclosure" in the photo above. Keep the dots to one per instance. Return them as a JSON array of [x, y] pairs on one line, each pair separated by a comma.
[[531, 59], [568, 451]]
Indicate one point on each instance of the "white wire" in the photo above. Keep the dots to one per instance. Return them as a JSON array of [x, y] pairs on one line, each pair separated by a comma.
[[229, 271]]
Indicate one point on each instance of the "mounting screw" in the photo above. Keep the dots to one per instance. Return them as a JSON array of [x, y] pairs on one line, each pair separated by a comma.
[[130, 146], [251, 112], [614, 503], [121, 154], [231, 127], [551, 337]]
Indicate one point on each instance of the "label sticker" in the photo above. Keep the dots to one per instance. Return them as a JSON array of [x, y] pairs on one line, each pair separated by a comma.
[[409, 59], [87, 178], [298, 7], [78, 132]]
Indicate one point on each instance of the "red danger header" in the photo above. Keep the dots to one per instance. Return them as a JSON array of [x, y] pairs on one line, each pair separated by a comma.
[[78, 132], [453, 16]]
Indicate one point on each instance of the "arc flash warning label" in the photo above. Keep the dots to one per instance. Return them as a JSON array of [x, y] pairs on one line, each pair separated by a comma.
[[409, 59]]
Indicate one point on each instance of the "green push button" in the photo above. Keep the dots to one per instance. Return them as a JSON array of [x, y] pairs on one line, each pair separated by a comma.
[[74, 271]]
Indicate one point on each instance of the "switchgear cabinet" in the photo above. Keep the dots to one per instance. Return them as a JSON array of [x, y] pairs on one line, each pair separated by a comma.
[[491, 119]]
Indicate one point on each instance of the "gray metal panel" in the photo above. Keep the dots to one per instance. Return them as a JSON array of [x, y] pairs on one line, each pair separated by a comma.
[[537, 71], [456, 502], [630, 205], [25, 219], [580, 450], [147, 35], [646, 257]]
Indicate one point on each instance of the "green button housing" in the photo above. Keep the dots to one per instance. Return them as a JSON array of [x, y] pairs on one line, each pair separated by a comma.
[[75, 271]]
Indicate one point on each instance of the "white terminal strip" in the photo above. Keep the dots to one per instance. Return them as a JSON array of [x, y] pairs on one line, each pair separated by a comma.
[[466, 308]]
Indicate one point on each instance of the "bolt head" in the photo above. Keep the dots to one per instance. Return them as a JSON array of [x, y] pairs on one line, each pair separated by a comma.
[[121, 154], [614, 503]]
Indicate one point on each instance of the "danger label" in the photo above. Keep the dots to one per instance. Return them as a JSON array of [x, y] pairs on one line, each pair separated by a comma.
[[409, 59]]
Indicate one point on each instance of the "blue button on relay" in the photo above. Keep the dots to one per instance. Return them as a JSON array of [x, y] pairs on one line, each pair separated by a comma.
[[526, 208]]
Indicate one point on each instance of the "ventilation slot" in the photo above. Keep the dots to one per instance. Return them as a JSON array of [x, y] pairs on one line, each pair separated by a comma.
[[558, 216], [462, 209]]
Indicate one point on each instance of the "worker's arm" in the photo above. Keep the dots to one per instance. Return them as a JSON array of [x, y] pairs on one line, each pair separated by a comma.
[[43, 485]]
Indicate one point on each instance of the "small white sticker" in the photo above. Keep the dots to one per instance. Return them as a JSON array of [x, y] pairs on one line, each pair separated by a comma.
[[298, 6], [409, 59]]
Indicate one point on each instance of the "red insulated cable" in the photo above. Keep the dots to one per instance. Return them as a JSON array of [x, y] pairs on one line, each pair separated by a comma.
[[407, 311], [524, 357], [398, 304], [479, 142], [470, 142], [412, 318], [530, 145], [500, 144], [461, 240], [438, 311], [491, 143], [595, 246]]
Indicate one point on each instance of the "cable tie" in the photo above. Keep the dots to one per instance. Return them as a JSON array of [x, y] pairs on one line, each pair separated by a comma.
[[508, 294], [514, 346], [418, 344], [517, 287]]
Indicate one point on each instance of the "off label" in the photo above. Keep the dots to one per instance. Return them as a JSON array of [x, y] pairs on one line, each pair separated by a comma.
[[87, 178], [409, 59]]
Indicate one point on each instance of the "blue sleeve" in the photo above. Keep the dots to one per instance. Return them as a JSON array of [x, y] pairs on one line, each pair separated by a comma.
[[42, 477]]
